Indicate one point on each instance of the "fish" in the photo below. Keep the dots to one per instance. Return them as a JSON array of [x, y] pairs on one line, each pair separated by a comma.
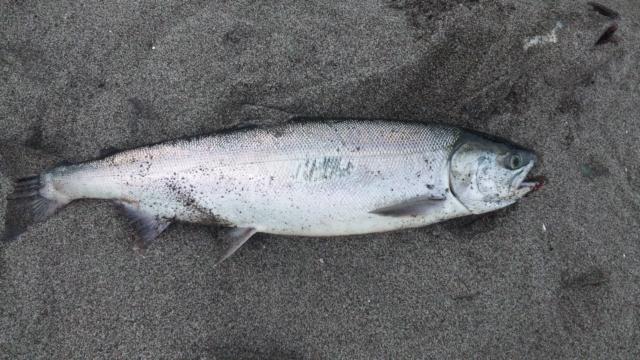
[[314, 178]]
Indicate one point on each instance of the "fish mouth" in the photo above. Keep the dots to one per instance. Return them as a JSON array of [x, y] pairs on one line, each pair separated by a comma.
[[526, 184], [532, 183]]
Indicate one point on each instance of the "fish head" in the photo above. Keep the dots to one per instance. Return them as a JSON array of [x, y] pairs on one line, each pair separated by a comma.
[[488, 173]]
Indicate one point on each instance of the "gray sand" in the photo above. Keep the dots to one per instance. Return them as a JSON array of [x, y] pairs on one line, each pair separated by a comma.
[[556, 275]]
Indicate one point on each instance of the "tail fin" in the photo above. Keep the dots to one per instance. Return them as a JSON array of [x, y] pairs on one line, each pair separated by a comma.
[[26, 206]]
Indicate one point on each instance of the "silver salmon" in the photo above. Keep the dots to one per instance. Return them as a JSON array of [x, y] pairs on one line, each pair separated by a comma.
[[306, 178]]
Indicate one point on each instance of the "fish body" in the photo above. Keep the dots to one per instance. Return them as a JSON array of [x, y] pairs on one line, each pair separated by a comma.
[[310, 178]]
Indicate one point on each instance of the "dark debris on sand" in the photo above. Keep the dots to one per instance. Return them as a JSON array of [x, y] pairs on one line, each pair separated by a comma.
[[555, 276]]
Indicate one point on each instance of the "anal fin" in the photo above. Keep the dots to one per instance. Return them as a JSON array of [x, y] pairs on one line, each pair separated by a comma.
[[236, 237], [148, 227], [413, 207]]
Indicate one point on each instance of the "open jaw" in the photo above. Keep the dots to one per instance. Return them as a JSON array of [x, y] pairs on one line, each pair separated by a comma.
[[525, 183], [531, 183]]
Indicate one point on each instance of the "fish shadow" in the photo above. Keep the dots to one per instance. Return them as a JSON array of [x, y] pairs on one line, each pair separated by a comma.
[[472, 225]]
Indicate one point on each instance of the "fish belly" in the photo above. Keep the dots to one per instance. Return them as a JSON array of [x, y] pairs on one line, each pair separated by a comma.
[[333, 197]]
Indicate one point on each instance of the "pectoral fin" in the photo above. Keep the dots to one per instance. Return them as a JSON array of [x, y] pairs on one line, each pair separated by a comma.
[[148, 227], [414, 207], [236, 237]]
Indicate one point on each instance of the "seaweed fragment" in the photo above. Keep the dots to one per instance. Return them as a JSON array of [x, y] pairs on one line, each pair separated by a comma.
[[604, 10], [607, 36]]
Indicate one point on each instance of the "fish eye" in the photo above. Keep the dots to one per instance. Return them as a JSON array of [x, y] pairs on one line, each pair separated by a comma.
[[515, 161]]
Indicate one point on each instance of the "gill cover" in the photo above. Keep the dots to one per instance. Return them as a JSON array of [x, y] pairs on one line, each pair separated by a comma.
[[488, 173]]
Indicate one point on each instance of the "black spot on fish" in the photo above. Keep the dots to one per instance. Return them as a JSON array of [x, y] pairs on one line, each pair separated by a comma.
[[325, 168]]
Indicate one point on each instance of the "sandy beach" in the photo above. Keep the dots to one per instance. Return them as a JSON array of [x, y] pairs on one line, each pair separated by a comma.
[[555, 276]]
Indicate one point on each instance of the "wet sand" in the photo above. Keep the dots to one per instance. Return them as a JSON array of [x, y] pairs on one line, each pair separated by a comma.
[[555, 276]]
